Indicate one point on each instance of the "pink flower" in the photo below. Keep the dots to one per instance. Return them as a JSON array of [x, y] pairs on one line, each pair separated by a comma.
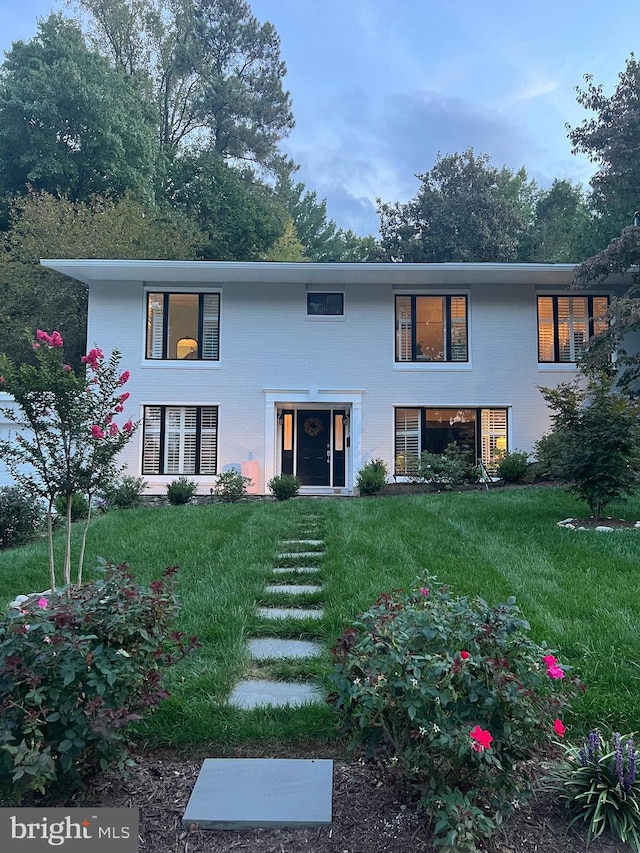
[[67, 368], [42, 602], [96, 432], [2, 380], [559, 727], [549, 660], [119, 408], [128, 427], [555, 671], [56, 340], [481, 739], [124, 377], [43, 336], [92, 358], [35, 346], [113, 430], [46, 639], [424, 590], [124, 397], [464, 654]]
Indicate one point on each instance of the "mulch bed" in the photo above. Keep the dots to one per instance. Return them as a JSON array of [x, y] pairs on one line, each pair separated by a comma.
[[369, 815]]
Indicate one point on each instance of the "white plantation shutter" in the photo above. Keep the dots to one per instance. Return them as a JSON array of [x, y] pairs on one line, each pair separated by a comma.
[[458, 328], [600, 319], [155, 324], [546, 350], [180, 440], [403, 328], [407, 443], [151, 442], [211, 326], [573, 326], [209, 440], [494, 436]]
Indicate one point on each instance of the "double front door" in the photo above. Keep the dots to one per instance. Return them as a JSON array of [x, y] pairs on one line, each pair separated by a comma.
[[313, 445]]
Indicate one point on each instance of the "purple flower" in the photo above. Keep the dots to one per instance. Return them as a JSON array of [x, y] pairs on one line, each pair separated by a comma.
[[618, 754], [633, 758]]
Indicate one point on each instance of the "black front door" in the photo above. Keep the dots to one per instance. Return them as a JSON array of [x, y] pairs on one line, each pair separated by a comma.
[[314, 447]]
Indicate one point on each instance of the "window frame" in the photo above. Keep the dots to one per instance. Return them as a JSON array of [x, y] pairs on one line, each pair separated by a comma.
[[162, 440], [591, 321], [483, 438], [448, 342], [324, 316], [148, 335]]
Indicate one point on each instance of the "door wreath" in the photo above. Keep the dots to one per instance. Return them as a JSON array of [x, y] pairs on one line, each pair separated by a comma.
[[313, 427]]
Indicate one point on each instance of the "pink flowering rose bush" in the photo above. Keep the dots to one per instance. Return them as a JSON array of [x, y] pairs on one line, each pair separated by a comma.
[[452, 694]]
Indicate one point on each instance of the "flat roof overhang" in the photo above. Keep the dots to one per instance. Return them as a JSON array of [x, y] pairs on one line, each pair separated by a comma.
[[314, 274]]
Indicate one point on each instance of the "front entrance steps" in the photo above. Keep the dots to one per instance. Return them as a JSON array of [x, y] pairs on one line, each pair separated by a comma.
[[250, 694], [269, 793]]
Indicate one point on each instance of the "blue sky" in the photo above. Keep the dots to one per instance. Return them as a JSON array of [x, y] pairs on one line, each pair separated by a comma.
[[379, 87]]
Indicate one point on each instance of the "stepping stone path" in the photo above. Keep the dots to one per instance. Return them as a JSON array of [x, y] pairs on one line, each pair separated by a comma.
[[305, 553]]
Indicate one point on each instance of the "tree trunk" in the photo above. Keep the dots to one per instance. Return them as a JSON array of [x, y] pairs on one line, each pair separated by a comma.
[[67, 544], [84, 541], [52, 566]]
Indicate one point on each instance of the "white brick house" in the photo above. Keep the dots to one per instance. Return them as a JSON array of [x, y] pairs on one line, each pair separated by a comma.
[[315, 369]]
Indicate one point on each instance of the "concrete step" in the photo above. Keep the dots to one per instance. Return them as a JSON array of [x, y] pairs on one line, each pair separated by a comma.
[[290, 613], [272, 648], [293, 589], [250, 694], [301, 570]]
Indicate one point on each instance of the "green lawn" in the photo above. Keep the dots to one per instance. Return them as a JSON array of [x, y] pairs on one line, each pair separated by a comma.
[[579, 590]]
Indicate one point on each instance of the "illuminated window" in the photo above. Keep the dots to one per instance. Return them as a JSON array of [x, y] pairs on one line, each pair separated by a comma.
[[565, 324], [431, 328], [180, 440], [183, 326]]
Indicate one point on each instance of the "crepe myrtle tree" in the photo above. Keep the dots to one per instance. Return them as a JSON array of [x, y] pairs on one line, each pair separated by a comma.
[[68, 435]]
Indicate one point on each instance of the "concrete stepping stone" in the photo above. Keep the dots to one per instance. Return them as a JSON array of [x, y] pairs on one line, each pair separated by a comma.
[[271, 648], [293, 589], [302, 570], [289, 555], [269, 793], [251, 694], [290, 613], [300, 542]]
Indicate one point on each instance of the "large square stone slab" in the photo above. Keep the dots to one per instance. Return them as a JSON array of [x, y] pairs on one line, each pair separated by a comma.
[[267, 648], [291, 612], [251, 694], [248, 793]]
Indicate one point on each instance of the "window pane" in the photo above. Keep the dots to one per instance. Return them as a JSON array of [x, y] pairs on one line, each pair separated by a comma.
[[545, 329], [151, 440], [430, 328], [600, 319], [155, 319], [209, 440], [183, 325], [180, 440], [573, 329], [325, 304], [494, 437], [458, 328], [403, 328], [211, 326], [447, 426], [407, 444]]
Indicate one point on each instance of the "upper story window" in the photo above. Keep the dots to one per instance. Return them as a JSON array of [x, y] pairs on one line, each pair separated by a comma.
[[565, 324], [325, 304], [431, 328], [183, 326]]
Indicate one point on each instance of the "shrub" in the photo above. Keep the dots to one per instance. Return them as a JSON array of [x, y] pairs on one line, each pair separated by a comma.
[[79, 506], [449, 693], [231, 486], [372, 477], [451, 468], [599, 784], [21, 515], [284, 486], [75, 670], [513, 467], [181, 491], [595, 442], [125, 493]]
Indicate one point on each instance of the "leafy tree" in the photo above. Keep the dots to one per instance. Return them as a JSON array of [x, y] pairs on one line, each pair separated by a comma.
[[69, 123], [562, 225], [68, 436], [595, 441], [216, 71], [43, 225], [287, 247], [611, 139], [465, 210], [621, 339], [237, 212]]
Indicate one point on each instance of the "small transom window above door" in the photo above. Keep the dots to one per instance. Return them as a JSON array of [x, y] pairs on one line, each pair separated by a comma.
[[480, 433], [183, 326]]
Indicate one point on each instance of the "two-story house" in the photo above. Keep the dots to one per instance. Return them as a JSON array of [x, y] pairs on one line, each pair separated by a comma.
[[314, 369]]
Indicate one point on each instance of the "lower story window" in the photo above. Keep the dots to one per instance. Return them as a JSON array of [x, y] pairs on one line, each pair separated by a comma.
[[180, 440], [482, 433]]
